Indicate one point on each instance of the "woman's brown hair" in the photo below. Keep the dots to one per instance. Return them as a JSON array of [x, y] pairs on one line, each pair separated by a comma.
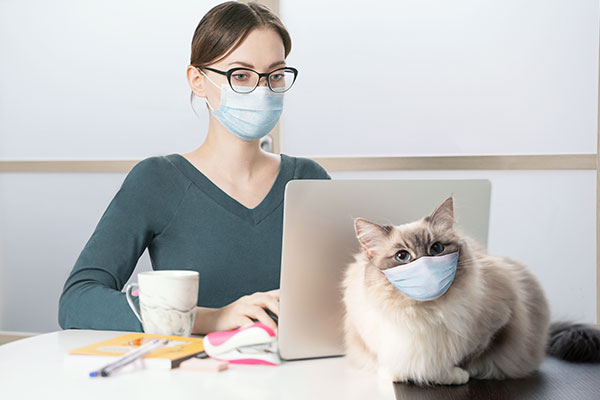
[[225, 27]]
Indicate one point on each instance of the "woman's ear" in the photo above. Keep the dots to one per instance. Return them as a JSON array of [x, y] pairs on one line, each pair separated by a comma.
[[197, 81], [369, 234]]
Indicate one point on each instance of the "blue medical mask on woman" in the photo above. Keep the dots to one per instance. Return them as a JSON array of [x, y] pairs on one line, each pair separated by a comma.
[[426, 278], [249, 116]]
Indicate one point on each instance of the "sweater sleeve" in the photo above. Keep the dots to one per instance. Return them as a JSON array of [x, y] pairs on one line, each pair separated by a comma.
[[143, 206]]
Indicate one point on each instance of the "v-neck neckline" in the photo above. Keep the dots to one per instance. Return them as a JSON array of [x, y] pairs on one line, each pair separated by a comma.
[[268, 204]]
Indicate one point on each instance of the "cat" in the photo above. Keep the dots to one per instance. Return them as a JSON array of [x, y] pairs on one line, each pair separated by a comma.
[[492, 322]]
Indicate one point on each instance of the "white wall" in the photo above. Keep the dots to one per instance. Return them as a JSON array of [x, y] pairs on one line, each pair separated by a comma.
[[442, 77], [97, 79], [106, 80]]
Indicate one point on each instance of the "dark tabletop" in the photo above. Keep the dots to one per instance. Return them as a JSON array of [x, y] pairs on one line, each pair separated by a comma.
[[554, 380]]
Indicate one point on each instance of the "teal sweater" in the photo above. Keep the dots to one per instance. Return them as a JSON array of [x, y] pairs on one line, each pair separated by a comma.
[[167, 205]]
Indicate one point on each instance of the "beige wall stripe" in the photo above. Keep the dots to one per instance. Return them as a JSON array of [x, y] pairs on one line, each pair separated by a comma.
[[7, 337], [520, 162], [68, 166]]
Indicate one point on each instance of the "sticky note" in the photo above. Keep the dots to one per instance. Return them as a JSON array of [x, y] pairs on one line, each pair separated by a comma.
[[203, 365]]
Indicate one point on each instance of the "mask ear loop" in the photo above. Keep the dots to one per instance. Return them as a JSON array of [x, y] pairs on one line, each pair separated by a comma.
[[206, 98]]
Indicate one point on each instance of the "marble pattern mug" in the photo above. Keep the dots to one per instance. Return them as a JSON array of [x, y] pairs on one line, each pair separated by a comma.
[[167, 301]]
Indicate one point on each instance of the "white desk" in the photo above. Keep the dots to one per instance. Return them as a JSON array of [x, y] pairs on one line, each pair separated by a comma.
[[34, 368]]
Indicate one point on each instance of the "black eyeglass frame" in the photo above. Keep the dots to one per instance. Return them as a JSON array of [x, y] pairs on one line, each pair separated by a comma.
[[266, 75]]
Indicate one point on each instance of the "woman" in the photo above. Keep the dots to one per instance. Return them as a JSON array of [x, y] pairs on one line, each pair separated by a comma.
[[218, 209]]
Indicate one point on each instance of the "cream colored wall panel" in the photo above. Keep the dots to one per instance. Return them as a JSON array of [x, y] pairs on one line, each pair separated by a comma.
[[46, 219], [545, 219]]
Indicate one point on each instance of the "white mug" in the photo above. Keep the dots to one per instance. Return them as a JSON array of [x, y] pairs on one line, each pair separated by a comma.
[[168, 301]]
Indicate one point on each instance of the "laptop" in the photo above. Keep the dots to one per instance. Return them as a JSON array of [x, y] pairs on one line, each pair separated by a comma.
[[319, 241]]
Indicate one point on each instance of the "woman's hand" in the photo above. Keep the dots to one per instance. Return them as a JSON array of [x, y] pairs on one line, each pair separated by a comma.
[[248, 308], [239, 313]]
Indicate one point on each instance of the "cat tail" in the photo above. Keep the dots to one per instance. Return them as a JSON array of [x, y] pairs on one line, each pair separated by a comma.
[[574, 342]]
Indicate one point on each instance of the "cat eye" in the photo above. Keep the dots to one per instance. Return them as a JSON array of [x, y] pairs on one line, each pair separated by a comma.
[[436, 248], [402, 256]]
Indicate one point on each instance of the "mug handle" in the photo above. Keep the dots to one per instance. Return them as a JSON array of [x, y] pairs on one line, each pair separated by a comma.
[[128, 289]]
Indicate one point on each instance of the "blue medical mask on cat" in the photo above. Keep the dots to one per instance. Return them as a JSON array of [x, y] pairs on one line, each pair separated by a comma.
[[426, 278], [249, 116]]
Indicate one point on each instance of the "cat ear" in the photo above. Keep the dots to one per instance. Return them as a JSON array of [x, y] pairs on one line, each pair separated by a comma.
[[444, 214], [370, 234]]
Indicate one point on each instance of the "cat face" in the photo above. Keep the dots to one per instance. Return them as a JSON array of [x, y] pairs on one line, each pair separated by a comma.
[[388, 246]]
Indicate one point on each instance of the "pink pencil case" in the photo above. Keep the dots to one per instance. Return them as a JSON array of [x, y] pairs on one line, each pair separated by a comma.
[[252, 344]]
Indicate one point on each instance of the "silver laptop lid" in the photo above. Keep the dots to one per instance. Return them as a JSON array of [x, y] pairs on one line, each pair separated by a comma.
[[319, 242]]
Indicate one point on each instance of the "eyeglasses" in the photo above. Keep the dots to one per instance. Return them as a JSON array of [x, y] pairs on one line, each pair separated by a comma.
[[245, 80]]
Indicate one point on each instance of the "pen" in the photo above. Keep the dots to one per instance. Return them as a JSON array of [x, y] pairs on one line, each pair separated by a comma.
[[130, 357]]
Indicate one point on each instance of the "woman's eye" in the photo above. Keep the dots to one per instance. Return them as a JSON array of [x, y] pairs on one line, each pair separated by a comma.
[[276, 77], [436, 249], [240, 77], [402, 256]]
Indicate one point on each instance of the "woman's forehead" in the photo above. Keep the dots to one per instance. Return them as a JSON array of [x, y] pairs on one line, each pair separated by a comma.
[[261, 50]]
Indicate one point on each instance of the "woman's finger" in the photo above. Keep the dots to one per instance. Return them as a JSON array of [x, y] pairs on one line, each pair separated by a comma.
[[230, 317], [272, 304], [259, 314], [267, 301], [244, 321]]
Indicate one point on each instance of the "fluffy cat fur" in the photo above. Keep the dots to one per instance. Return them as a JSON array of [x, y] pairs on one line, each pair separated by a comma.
[[493, 322]]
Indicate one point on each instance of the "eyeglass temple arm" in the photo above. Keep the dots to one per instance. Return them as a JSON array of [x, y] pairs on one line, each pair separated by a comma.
[[214, 70]]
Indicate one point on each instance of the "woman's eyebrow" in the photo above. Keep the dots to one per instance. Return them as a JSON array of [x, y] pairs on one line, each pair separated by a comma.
[[247, 65], [277, 63]]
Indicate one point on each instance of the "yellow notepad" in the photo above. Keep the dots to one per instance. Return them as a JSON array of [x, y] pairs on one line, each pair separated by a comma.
[[177, 350]]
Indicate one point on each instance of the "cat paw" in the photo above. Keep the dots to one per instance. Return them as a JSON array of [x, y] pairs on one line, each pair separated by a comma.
[[457, 376], [453, 376]]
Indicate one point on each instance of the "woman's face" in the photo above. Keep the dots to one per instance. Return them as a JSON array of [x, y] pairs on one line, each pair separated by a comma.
[[262, 51]]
